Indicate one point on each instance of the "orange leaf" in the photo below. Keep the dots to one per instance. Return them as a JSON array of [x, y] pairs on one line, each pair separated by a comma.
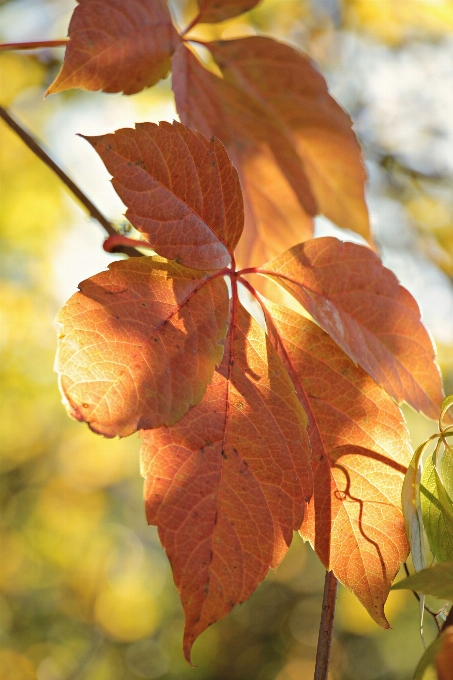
[[212, 11], [138, 344], [181, 190], [227, 485], [349, 292], [360, 452], [117, 46], [304, 139]]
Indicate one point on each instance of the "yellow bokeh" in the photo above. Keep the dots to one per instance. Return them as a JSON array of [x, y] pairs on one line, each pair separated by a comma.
[[397, 20], [18, 72], [14, 666], [89, 461], [351, 615], [126, 609]]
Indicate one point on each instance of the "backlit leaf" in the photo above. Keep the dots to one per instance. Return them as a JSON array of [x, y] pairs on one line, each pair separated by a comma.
[[436, 580], [305, 140], [117, 46], [227, 485], [181, 190], [436, 493], [212, 11], [360, 449], [138, 344], [349, 292]]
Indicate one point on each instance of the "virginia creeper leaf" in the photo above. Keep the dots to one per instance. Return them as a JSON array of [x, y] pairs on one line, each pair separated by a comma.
[[349, 292], [360, 448], [436, 492], [304, 140], [181, 190], [436, 580], [228, 483], [117, 46], [212, 11], [138, 344]]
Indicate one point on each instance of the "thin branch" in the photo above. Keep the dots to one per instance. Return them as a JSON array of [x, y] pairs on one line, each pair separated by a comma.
[[326, 627], [448, 621], [42, 155], [425, 606], [34, 45]]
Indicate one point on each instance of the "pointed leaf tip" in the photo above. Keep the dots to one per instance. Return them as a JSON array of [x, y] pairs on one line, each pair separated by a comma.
[[181, 190]]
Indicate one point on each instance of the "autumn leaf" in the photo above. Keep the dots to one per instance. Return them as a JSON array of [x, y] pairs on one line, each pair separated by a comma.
[[138, 344], [211, 11], [117, 46], [360, 450], [305, 141], [225, 450], [228, 483], [296, 155], [349, 292], [181, 190]]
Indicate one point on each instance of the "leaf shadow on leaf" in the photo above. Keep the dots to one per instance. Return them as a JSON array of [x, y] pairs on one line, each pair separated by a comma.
[[347, 495]]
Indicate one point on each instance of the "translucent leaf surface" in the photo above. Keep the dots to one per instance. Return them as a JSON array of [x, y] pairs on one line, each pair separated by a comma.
[[360, 450], [349, 292], [181, 190], [227, 485], [138, 344]]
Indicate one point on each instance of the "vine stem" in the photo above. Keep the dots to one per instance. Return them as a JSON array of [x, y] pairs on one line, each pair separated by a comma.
[[45, 158], [326, 627], [34, 45]]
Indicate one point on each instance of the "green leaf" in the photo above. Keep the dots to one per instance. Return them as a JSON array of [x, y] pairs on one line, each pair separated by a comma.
[[446, 404], [436, 492], [410, 501], [436, 581]]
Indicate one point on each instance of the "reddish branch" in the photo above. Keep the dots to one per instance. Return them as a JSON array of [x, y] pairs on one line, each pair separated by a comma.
[[326, 627], [34, 45], [42, 155]]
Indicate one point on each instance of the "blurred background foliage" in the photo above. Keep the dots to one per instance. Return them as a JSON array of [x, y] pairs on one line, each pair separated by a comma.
[[85, 589]]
